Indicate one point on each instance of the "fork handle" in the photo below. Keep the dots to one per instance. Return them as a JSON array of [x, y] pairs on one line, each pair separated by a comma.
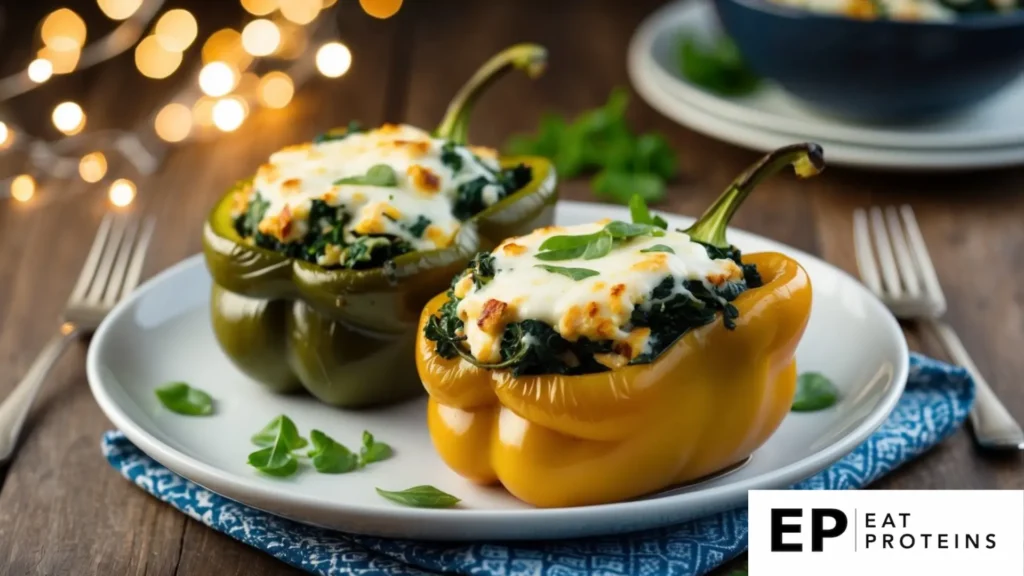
[[993, 425], [16, 406]]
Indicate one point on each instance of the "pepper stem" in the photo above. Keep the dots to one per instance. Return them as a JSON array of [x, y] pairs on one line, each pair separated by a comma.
[[530, 58], [807, 159]]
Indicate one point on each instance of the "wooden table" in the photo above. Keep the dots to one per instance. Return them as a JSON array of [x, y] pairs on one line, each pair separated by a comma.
[[63, 510]]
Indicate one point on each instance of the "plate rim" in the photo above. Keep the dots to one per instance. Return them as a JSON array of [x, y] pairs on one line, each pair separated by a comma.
[[206, 475], [667, 17]]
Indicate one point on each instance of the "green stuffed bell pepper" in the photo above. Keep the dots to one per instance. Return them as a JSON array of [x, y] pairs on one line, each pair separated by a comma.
[[322, 262]]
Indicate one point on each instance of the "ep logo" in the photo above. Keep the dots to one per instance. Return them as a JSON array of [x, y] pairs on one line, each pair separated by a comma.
[[821, 523]]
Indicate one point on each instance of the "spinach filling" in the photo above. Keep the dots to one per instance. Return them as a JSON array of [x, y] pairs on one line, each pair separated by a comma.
[[326, 223], [534, 347]]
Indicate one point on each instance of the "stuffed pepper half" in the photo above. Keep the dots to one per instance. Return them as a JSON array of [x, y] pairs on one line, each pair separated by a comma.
[[322, 262], [594, 363]]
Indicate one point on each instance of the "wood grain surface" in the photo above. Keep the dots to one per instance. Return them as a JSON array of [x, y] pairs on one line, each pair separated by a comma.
[[64, 511]]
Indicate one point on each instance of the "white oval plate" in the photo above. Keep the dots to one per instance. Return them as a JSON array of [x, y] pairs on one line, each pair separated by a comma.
[[995, 123], [162, 333]]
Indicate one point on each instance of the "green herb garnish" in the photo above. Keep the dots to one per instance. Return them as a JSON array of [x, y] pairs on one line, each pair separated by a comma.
[[353, 127], [659, 248], [641, 215], [574, 273], [717, 66], [814, 391], [180, 398], [421, 497], [377, 175], [372, 450], [595, 245], [418, 227], [330, 457], [600, 141], [281, 437], [280, 427]]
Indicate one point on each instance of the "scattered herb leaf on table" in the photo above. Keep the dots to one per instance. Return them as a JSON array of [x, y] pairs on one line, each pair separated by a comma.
[[421, 497], [330, 457], [277, 459], [717, 66], [814, 392], [180, 398]]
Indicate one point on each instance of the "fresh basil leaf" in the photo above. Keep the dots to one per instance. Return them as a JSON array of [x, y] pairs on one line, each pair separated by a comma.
[[814, 391], [625, 230], [180, 398], [372, 450], [330, 457], [554, 255], [619, 186], [274, 460], [421, 497], [717, 66], [282, 428], [659, 248], [600, 247], [641, 215], [377, 175], [564, 242], [574, 273]]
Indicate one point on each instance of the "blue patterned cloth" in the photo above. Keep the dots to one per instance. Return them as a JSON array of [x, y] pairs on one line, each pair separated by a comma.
[[936, 402]]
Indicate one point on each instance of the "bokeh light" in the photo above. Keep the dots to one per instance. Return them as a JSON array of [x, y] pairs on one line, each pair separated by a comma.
[[217, 79], [173, 122], [202, 111], [381, 8], [176, 30], [154, 60], [69, 118], [301, 11], [63, 30], [261, 37], [23, 187], [122, 192], [6, 136], [248, 83], [294, 40], [225, 45], [62, 61], [328, 3], [259, 7], [119, 9], [229, 113], [275, 90], [40, 70], [333, 59], [92, 167]]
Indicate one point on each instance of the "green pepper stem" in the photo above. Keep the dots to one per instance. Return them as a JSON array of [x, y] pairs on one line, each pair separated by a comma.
[[807, 159], [530, 58]]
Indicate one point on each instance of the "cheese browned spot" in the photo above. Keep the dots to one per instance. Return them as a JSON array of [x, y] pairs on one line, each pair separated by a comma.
[[423, 179], [240, 199], [268, 172], [291, 186], [484, 152], [416, 148], [278, 226], [492, 317], [513, 249]]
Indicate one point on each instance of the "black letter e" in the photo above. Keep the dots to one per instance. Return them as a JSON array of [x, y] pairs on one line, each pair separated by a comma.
[[779, 528]]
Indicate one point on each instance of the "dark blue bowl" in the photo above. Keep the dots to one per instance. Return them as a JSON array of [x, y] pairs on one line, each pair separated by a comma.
[[880, 70]]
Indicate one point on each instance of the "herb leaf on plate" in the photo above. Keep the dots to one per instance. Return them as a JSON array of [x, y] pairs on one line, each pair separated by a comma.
[[282, 428], [421, 497], [180, 398], [373, 451], [330, 457], [716, 65], [814, 391]]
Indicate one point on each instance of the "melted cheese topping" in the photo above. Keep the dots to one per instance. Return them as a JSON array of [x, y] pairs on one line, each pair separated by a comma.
[[296, 175], [596, 307]]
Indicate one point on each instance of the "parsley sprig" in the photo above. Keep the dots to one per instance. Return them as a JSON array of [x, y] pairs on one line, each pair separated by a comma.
[[281, 441]]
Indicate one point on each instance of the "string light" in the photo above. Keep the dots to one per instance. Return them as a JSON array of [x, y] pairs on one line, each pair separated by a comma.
[[381, 8], [119, 9], [92, 167], [154, 60], [328, 3], [69, 118], [259, 7], [63, 30], [202, 111], [217, 79], [226, 46], [6, 136], [261, 37], [62, 61], [40, 70], [173, 122], [301, 11], [333, 59], [228, 114], [122, 192], [275, 90], [23, 187], [176, 30], [293, 41]]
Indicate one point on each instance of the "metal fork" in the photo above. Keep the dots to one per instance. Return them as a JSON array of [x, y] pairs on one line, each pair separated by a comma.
[[111, 272], [910, 288]]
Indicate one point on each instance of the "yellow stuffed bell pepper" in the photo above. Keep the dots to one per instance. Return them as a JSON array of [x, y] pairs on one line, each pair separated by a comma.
[[633, 425]]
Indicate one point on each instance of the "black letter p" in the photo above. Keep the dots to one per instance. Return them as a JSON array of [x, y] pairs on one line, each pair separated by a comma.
[[818, 532]]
